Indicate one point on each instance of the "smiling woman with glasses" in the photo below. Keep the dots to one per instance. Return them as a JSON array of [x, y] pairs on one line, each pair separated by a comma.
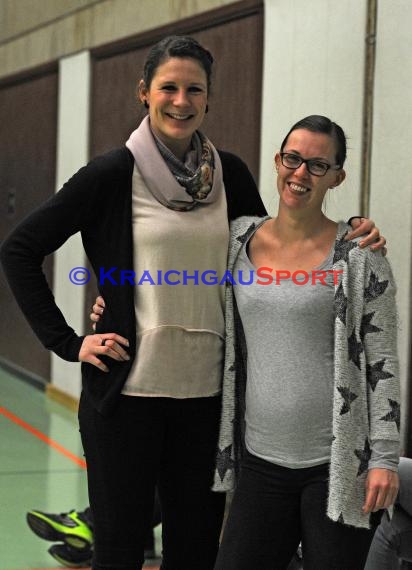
[[313, 364]]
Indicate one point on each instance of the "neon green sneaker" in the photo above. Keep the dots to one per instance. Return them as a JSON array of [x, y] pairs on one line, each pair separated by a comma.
[[73, 528]]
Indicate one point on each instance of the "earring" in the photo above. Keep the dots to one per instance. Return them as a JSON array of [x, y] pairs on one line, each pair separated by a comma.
[[146, 104]]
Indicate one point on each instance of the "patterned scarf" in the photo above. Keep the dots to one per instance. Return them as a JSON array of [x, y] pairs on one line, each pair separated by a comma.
[[177, 185], [196, 173]]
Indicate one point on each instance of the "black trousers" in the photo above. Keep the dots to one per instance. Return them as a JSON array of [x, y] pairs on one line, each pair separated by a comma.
[[149, 441], [273, 509]]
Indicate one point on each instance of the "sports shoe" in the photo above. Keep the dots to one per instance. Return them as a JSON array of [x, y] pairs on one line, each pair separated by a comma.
[[71, 557], [75, 558], [72, 528]]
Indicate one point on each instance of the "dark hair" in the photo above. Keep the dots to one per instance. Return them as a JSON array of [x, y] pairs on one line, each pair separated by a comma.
[[320, 124], [176, 46]]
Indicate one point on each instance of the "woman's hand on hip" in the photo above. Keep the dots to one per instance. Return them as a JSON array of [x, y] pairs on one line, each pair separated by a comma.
[[382, 487], [106, 344]]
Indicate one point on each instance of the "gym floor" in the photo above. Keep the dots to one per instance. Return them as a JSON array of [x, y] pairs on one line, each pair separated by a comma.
[[41, 467]]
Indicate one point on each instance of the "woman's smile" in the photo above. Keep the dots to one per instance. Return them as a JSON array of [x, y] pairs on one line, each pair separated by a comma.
[[177, 99], [298, 188]]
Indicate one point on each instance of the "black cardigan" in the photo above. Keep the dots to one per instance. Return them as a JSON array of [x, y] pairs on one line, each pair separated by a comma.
[[97, 202]]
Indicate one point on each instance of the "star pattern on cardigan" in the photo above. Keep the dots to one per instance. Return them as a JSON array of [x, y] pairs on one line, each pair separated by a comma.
[[348, 397], [355, 349], [375, 288], [341, 304], [342, 249], [394, 415], [345, 491], [363, 455], [223, 461], [375, 373], [367, 326], [243, 238]]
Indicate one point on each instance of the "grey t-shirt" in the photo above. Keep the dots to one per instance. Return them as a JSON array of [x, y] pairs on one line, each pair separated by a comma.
[[289, 335]]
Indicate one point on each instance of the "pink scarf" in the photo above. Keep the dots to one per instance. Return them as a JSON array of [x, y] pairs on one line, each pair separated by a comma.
[[201, 188]]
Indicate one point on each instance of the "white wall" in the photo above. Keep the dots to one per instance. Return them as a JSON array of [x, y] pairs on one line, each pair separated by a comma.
[[391, 182], [72, 153], [313, 64], [34, 32]]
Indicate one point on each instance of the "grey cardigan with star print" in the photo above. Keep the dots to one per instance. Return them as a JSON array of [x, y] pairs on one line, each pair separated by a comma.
[[366, 374]]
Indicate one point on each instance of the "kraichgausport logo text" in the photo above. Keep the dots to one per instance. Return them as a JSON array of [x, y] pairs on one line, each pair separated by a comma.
[[173, 277]]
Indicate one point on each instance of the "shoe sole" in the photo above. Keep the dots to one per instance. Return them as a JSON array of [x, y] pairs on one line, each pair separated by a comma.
[[69, 563], [45, 530]]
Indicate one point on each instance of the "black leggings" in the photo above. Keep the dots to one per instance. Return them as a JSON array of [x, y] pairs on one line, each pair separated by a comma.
[[149, 441], [273, 509]]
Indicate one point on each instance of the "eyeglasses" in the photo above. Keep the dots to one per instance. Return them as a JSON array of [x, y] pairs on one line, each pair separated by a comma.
[[314, 166]]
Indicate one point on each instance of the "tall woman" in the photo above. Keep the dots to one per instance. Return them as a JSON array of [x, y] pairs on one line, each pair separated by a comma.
[[316, 340], [150, 413]]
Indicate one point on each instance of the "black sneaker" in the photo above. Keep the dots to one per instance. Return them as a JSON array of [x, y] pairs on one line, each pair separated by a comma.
[[75, 558], [71, 557], [72, 528]]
